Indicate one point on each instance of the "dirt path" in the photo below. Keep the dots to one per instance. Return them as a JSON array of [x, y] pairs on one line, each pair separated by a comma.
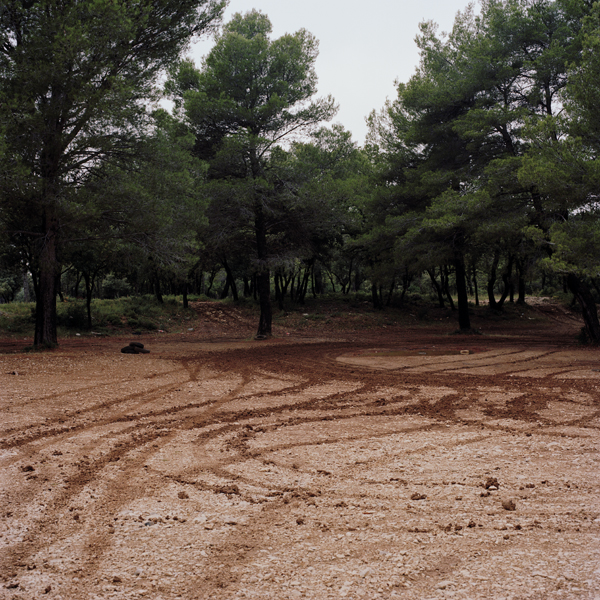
[[385, 464]]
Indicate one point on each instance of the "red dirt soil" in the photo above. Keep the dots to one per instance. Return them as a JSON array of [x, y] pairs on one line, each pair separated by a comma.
[[328, 462]]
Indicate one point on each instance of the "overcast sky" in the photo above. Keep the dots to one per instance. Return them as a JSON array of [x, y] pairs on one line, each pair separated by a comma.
[[363, 46]]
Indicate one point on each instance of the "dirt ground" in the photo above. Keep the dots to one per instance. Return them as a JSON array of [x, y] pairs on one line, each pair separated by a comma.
[[393, 462]]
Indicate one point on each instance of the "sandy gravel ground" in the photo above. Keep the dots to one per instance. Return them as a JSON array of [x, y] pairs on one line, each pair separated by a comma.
[[397, 463]]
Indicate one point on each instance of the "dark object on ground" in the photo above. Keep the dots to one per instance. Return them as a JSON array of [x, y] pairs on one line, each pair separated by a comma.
[[135, 348], [509, 505]]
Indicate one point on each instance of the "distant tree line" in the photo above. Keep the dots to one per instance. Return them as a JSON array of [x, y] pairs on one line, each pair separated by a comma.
[[479, 178]]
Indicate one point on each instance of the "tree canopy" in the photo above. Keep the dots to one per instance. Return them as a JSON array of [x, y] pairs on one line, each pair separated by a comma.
[[484, 166]]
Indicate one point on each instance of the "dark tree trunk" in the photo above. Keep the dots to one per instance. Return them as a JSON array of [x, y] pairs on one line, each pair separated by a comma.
[[475, 284], [184, 291], [264, 296], [211, 281], [350, 276], [303, 284], [318, 278], [225, 291], [78, 277], [263, 277], [437, 287], [330, 275], [375, 296], [445, 276], [506, 278], [464, 322], [247, 288], [89, 289], [492, 281], [285, 283], [59, 288], [278, 292], [388, 302], [520, 281], [157, 290], [406, 281], [231, 280], [26, 292], [521, 290], [582, 292], [45, 305]]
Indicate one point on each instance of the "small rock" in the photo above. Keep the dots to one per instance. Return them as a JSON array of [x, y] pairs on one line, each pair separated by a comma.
[[509, 505], [491, 482], [183, 495], [117, 579], [12, 586], [364, 572], [47, 589], [27, 469], [417, 496], [138, 571], [200, 519], [300, 520]]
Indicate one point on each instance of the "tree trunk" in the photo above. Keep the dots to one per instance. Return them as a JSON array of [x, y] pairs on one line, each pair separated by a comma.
[[157, 290], [247, 288], [475, 284], [492, 281], [59, 288], [318, 277], [375, 296], [303, 284], [78, 276], [45, 305], [278, 292], [521, 293], [582, 292], [464, 322], [437, 287], [263, 277], [26, 292], [231, 279], [445, 276], [350, 276], [506, 278], [388, 302], [89, 288], [184, 291], [225, 291], [521, 282]]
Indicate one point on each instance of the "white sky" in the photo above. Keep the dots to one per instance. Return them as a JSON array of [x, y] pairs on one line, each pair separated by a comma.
[[363, 46]]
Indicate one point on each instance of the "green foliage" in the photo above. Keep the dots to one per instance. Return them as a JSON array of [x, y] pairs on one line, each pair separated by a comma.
[[75, 81]]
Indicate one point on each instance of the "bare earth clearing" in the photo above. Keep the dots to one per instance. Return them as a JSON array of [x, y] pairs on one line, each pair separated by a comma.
[[324, 463]]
